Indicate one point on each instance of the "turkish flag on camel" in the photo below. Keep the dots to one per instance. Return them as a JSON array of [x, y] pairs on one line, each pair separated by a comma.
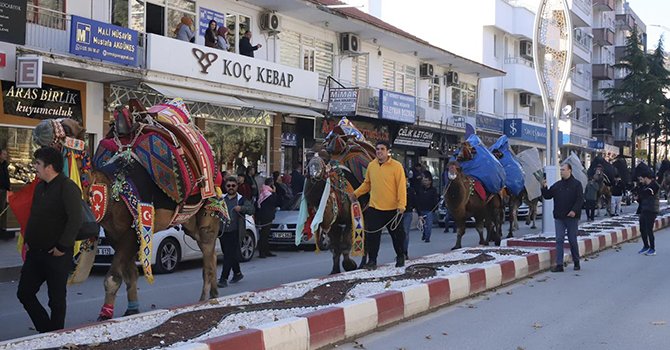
[[21, 202]]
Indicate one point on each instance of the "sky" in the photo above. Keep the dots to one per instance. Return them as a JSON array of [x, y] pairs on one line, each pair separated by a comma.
[[654, 12]]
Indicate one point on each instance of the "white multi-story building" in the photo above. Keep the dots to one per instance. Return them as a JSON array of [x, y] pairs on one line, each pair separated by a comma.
[[499, 33], [263, 111]]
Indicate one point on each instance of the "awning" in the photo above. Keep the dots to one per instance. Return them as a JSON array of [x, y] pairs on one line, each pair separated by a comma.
[[282, 108], [199, 96]]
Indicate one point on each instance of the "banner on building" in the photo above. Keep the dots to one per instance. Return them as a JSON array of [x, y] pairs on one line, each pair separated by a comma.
[[13, 21], [414, 137], [596, 144], [343, 102], [56, 98], [103, 41], [397, 106]]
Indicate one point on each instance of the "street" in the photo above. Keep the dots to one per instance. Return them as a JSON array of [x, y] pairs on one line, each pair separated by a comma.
[[183, 286], [617, 301]]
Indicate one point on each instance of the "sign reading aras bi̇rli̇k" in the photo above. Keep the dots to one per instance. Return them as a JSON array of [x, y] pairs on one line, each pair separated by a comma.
[[103, 41], [50, 101]]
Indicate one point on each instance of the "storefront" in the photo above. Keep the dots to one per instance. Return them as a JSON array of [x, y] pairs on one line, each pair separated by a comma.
[[523, 135]]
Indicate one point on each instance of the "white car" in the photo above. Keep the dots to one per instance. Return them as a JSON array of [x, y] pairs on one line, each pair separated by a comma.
[[172, 246]]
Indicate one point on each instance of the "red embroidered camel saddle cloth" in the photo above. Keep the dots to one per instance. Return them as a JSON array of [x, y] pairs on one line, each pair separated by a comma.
[[170, 148]]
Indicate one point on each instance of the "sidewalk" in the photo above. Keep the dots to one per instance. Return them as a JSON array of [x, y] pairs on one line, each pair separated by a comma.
[[10, 260]]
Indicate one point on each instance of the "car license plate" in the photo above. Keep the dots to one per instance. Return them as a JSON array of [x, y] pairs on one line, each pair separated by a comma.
[[282, 235], [105, 251]]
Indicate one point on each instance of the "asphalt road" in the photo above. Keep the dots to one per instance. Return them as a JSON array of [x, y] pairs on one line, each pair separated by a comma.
[[619, 300], [183, 286]]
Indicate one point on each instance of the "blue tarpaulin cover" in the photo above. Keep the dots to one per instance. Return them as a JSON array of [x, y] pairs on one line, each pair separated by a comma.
[[484, 167], [514, 174]]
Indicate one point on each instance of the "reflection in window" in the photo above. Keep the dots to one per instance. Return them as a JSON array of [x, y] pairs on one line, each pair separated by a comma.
[[120, 13], [434, 93], [20, 148], [359, 71], [235, 146], [399, 77], [307, 52], [48, 13]]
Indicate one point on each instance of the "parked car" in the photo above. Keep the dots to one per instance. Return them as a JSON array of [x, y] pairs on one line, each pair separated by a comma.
[[172, 246], [282, 231]]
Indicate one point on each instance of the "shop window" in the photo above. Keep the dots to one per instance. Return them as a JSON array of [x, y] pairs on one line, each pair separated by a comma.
[[308, 53], [434, 93], [48, 13], [464, 99], [359, 71], [238, 146]]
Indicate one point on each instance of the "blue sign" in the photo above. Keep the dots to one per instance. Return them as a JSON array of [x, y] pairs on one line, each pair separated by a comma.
[[103, 41], [207, 15], [512, 127], [597, 144], [397, 106], [489, 123]]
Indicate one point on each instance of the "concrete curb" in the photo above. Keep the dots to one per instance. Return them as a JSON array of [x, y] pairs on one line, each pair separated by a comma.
[[334, 324]]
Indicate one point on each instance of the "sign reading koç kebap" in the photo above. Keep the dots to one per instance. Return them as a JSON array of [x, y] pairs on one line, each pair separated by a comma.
[[413, 137], [13, 21], [50, 101], [397, 106], [103, 41], [342, 102]]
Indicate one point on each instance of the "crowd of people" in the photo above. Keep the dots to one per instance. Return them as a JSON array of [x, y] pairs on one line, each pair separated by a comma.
[[216, 36]]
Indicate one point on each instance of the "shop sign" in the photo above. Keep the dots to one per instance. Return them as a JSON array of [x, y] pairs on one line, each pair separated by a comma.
[[342, 102], [103, 41], [485, 122], [13, 21], [397, 106], [576, 140], [207, 15], [53, 100], [596, 144], [29, 72], [182, 58], [512, 127], [516, 128], [413, 137], [371, 132], [289, 139]]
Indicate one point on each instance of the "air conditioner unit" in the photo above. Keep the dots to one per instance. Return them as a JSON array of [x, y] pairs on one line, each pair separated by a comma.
[[526, 49], [451, 78], [350, 43], [524, 99], [426, 70], [270, 22]]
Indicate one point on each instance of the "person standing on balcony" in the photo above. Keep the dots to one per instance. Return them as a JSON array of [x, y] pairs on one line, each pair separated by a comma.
[[184, 31], [211, 38], [222, 39], [245, 45]]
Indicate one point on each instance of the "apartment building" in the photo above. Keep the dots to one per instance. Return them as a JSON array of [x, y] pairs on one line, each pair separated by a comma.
[[616, 21], [499, 34], [266, 110]]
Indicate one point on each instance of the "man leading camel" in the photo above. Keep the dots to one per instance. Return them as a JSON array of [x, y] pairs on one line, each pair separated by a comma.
[[386, 182]]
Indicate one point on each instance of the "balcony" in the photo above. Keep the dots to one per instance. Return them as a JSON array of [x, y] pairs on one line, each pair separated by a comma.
[[603, 71], [520, 75], [579, 86], [625, 21], [368, 100], [603, 36], [598, 107], [619, 53], [581, 12], [582, 46], [603, 5], [526, 117], [440, 115]]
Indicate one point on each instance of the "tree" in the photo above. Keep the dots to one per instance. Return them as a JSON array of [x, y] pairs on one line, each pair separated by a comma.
[[659, 81], [630, 102]]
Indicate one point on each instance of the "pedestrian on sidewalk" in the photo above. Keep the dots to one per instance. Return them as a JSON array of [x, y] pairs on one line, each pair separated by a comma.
[[648, 207], [426, 202], [618, 189], [591, 198], [386, 182], [4, 189], [55, 218], [230, 235], [568, 197], [268, 202], [408, 216]]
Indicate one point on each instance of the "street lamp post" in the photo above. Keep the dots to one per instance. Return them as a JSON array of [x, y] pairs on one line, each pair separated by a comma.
[[552, 55]]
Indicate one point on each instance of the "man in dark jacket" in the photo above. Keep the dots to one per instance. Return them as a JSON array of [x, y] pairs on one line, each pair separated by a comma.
[[648, 208], [297, 179], [231, 234], [55, 219], [267, 203], [568, 196], [426, 201], [618, 188], [408, 216], [246, 49]]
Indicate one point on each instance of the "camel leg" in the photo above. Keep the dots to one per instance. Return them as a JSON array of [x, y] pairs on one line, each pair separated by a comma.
[[125, 249], [348, 264], [479, 226], [204, 229], [460, 223], [130, 276], [336, 248]]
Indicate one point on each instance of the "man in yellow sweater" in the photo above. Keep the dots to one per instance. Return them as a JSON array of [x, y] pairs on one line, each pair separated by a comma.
[[386, 182]]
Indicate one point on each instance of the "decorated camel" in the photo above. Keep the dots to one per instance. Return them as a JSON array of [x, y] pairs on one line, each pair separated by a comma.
[[152, 171], [327, 208]]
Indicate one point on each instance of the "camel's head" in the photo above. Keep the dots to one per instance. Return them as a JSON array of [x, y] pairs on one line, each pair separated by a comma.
[[497, 153], [467, 152], [317, 166], [453, 170]]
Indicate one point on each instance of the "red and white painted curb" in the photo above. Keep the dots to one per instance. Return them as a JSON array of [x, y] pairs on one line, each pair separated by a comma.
[[353, 318]]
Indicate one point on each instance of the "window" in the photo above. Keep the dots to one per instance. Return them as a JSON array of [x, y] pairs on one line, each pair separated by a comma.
[[495, 101], [48, 13], [399, 77], [308, 53], [495, 45], [464, 99], [237, 26], [434, 93], [120, 12], [359, 71], [159, 17]]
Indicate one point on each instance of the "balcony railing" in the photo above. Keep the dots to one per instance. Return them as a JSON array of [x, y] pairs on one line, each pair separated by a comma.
[[603, 36], [583, 40], [582, 80], [520, 60], [625, 21], [528, 117], [603, 72], [584, 5], [603, 5], [443, 114]]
